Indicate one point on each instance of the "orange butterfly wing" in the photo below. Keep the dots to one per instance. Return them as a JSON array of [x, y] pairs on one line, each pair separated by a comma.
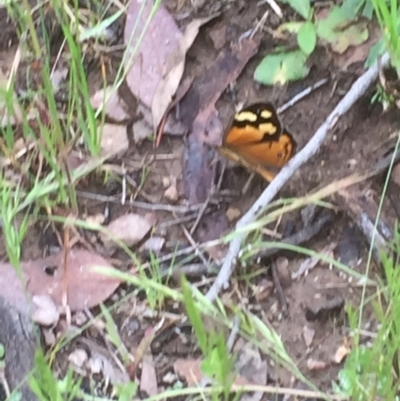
[[254, 124], [256, 141], [268, 153]]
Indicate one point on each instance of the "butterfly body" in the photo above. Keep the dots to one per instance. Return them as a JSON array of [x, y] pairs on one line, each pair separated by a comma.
[[257, 140]]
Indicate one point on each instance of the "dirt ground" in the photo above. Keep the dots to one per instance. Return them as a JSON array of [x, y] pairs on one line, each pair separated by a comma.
[[361, 137]]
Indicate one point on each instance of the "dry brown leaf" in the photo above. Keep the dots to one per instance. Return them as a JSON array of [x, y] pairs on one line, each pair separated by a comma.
[[341, 353], [129, 228], [161, 37], [189, 370], [153, 244], [174, 67], [148, 379], [114, 139], [141, 350], [85, 287], [308, 335], [109, 101]]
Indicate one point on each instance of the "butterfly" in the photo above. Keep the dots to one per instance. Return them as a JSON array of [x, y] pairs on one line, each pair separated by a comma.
[[257, 141]]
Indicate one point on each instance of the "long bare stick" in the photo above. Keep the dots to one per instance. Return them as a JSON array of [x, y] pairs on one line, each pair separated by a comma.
[[356, 91]]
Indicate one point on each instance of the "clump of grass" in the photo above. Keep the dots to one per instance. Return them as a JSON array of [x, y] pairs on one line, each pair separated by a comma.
[[371, 371], [45, 180], [388, 16]]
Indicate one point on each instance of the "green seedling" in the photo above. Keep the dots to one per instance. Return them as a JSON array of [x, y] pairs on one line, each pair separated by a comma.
[[217, 362], [336, 29]]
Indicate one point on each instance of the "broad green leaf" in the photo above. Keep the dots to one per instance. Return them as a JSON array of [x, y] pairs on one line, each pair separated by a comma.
[[307, 38], [279, 68], [303, 7], [368, 10], [352, 7], [340, 32], [326, 27]]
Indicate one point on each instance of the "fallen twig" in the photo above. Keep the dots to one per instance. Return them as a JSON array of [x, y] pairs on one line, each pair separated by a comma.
[[301, 95], [356, 91], [143, 205]]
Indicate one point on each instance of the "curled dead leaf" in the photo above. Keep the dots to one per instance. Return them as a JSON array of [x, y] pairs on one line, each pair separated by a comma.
[[129, 228], [341, 353]]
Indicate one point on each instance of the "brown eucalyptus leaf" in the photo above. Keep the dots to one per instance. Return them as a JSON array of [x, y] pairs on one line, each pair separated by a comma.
[[85, 288], [161, 38]]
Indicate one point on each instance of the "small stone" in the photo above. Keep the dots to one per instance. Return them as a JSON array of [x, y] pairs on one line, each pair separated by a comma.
[[233, 213], [46, 313], [78, 357], [171, 193]]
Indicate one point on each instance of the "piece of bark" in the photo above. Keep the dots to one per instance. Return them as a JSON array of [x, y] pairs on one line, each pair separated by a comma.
[[19, 336]]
